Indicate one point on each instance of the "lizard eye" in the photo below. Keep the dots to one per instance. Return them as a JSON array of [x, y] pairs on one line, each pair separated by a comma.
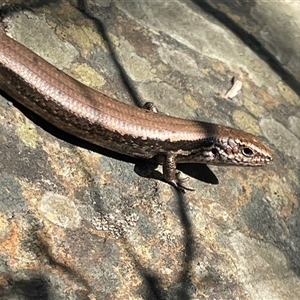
[[247, 152]]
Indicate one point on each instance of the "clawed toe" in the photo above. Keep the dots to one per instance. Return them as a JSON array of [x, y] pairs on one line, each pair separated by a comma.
[[180, 187]]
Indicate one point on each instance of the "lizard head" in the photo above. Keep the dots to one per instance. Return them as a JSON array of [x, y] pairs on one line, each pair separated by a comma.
[[242, 149]]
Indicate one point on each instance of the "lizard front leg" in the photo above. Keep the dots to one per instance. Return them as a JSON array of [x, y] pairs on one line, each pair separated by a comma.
[[171, 175]]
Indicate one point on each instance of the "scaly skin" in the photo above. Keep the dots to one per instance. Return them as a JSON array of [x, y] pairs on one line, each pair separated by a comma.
[[90, 115]]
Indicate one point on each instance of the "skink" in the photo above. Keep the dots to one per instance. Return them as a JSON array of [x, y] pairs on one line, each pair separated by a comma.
[[109, 123]]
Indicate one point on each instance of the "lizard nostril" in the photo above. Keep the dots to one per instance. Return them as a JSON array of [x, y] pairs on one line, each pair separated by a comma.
[[214, 151]]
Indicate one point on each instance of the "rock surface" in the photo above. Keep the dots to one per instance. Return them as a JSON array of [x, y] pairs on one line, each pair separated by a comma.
[[76, 222]]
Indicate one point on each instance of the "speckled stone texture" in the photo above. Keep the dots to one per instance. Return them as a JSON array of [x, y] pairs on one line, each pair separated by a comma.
[[76, 221]]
